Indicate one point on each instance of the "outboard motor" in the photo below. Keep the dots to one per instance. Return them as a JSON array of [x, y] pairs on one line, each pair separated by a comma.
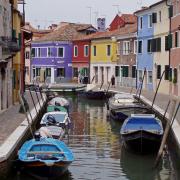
[[37, 136]]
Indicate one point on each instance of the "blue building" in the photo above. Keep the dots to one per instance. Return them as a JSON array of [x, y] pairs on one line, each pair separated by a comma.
[[144, 49]]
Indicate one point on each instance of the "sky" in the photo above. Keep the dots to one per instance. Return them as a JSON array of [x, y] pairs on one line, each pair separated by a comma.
[[46, 12]]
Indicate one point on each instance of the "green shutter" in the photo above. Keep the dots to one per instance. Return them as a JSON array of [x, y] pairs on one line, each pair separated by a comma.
[[169, 41], [170, 11]]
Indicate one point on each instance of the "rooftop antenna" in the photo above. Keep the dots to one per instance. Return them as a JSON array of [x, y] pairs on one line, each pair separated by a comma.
[[139, 4], [117, 6], [96, 16], [90, 9]]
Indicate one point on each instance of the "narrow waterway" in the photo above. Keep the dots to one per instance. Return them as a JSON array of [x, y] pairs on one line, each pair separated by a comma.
[[99, 154]]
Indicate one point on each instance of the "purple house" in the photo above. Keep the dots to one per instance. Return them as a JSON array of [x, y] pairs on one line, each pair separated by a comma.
[[51, 55]]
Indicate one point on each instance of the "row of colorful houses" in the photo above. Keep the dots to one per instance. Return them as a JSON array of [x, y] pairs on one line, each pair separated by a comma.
[[146, 41]]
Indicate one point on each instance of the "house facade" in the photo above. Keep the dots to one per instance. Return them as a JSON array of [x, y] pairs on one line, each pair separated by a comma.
[[6, 53], [81, 58], [175, 50], [126, 56], [103, 57], [51, 61]]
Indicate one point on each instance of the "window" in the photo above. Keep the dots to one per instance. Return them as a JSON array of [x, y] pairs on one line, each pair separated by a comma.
[[140, 47], [176, 39], [38, 71], [125, 71], [60, 72], [160, 16], [150, 21], [168, 42], [156, 45], [75, 72], [175, 75], [94, 50], [117, 71], [33, 50], [27, 55], [108, 50], [126, 47], [48, 72], [166, 77], [133, 71], [135, 47], [75, 51], [39, 52], [86, 50], [49, 54], [150, 77], [141, 23], [149, 45], [154, 18], [61, 52], [158, 71]]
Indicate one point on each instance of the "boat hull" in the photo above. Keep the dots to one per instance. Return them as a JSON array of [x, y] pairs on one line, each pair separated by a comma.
[[142, 141], [123, 113], [43, 170]]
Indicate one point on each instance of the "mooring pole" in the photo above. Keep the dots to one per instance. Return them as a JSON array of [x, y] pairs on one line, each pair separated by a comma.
[[142, 83], [166, 132], [157, 90], [93, 79], [24, 109], [32, 99]]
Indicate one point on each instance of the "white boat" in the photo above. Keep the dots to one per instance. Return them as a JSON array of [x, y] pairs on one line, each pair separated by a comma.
[[59, 101], [57, 118]]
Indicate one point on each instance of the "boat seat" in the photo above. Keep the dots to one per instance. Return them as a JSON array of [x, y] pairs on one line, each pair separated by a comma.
[[44, 152]]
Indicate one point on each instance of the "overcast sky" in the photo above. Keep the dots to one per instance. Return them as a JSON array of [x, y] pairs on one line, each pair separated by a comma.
[[46, 12]]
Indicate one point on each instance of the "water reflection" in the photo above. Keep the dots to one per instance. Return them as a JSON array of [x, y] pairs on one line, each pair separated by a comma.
[[95, 142]]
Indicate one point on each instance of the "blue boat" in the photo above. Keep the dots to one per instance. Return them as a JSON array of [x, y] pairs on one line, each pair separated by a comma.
[[142, 132], [45, 157]]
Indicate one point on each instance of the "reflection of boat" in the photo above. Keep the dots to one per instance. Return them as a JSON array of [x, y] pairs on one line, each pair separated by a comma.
[[139, 167], [56, 118], [142, 132], [52, 108], [121, 106], [46, 157]]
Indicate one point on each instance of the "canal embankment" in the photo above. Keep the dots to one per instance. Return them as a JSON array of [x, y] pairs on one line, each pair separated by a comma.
[[15, 128]]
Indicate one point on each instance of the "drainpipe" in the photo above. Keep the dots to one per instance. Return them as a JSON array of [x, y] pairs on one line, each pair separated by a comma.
[[168, 4]]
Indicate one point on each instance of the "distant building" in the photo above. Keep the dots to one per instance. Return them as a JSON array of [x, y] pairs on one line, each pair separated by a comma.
[[101, 24], [175, 51], [52, 54], [121, 20]]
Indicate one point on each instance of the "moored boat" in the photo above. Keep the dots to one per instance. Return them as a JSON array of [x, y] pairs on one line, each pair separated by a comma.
[[142, 132], [45, 157], [56, 118], [52, 108]]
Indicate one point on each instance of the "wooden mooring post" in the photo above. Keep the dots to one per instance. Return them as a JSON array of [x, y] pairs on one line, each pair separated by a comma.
[[169, 124]]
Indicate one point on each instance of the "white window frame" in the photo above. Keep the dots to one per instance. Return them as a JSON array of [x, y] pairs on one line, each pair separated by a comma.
[[107, 50], [126, 47], [86, 46], [58, 52], [135, 46], [150, 24], [75, 51]]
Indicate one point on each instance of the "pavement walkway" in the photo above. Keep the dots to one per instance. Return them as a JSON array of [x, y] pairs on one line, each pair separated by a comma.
[[10, 119]]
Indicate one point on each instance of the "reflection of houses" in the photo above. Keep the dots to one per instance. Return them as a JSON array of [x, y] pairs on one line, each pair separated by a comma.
[[6, 52], [175, 51], [52, 53], [103, 57], [126, 53]]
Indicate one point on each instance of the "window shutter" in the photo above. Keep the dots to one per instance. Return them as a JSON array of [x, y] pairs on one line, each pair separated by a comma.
[[158, 71], [166, 77], [149, 46], [117, 71], [176, 39], [166, 43], [169, 41], [154, 17], [153, 48]]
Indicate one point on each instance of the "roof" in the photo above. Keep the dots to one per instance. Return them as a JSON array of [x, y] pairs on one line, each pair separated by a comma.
[[146, 8], [66, 32], [129, 18], [129, 28]]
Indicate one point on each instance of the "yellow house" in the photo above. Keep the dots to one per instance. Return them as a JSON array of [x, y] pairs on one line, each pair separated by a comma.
[[16, 36], [103, 57]]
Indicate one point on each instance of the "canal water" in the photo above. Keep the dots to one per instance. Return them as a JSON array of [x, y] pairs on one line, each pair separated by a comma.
[[99, 154]]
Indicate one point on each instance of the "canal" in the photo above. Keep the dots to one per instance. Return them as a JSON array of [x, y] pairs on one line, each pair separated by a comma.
[[99, 154]]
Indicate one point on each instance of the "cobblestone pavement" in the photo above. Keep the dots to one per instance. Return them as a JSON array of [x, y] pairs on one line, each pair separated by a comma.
[[10, 119]]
